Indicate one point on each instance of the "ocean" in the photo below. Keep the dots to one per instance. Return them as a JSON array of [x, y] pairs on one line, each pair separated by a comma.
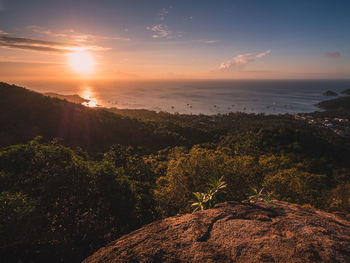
[[196, 97]]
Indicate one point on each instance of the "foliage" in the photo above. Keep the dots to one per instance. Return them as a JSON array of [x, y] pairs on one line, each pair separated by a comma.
[[120, 169], [71, 205], [259, 196], [207, 199], [188, 173], [294, 185], [17, 212]]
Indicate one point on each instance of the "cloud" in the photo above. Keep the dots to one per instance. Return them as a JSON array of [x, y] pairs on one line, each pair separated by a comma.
[[333, 54], [72, 35], [42, 46], [2, 32], [160, 31], [163, 13], [44, 31], [17, 60], [242, 60], [208, 41]]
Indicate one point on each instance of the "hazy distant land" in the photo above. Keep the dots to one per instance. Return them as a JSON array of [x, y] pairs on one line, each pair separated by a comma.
[[71, 98]]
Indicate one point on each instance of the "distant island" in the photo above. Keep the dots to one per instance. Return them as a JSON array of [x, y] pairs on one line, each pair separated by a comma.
[[329, 93], [346, 92]]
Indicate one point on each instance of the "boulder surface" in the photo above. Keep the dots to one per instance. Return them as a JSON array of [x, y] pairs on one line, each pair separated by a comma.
[[236, 232]]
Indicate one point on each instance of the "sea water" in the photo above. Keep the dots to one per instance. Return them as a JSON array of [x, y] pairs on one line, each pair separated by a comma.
[[205, 96]]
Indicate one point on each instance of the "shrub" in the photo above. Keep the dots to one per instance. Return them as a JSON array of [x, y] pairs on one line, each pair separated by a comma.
[[296, 186]]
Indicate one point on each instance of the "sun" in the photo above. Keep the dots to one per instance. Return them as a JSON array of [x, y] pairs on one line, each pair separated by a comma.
[[82, 62]]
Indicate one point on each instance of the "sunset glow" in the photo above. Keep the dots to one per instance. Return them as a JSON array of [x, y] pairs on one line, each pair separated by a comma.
[[87, 94], [167, 40], [82, 62]]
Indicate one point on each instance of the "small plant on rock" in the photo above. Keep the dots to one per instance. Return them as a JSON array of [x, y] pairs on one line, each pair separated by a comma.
[[261, 195], [207, 199]]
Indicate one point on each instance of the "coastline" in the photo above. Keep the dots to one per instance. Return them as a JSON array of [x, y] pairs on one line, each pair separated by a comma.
[[333, 114]]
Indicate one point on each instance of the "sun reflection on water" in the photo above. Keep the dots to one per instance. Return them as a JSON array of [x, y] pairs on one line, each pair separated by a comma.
[[87, 93]]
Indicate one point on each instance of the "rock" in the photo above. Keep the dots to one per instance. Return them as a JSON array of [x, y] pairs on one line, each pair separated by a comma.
[[236, 232], [329, 93]]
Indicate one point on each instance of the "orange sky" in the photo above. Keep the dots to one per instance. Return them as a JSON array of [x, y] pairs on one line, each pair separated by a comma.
[[174, 40]]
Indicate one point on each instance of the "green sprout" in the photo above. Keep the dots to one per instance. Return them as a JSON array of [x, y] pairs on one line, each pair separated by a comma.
[[207, 199], [259, 196]]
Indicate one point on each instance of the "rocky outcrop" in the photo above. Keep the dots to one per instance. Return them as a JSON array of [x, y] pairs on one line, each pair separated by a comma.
[[236, 232]]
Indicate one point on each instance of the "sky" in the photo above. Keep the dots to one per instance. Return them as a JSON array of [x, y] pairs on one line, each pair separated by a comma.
[[182, 39]]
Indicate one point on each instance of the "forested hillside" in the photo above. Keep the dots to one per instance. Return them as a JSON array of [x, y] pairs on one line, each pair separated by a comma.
[[25, 114], [112, 171]]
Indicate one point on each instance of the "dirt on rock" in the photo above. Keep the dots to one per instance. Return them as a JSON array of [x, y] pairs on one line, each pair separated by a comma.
[[236, 232]]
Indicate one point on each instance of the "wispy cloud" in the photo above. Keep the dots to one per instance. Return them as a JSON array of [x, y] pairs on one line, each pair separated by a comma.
[[72, 34], [160, 31], [2, 32], [208, 41], [20, 60], [241, 60], [42, 46], [333, 54], [163, 13], [44, 31]]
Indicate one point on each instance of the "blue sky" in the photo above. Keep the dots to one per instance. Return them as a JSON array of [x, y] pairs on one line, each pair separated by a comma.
[[183, 39]]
